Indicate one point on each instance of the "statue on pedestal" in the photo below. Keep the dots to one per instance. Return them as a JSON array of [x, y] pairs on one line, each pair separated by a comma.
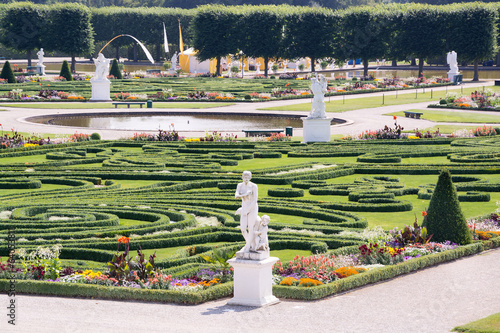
[[101, 68], [319, 89], [40, 55], [249, 210], [451, 59], [285, 65]]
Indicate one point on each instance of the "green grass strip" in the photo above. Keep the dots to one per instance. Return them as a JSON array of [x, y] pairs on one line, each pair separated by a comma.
[[156, 105], [452, 117], [490, 324]]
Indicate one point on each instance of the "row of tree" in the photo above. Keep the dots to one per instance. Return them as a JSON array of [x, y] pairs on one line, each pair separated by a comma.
[[392, 31], [63, 27]]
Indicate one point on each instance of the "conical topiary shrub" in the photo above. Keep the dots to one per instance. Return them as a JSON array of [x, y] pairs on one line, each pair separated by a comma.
[[115, 70], [7, 73], [65, 71], [445, 220]]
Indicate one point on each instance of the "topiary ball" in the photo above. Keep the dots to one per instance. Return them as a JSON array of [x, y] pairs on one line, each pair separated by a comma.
[[95, 136], [443, 102]]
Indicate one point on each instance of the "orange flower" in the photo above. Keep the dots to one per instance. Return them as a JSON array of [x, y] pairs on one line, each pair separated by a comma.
[[424, 213], [394, 117], [124, 240]]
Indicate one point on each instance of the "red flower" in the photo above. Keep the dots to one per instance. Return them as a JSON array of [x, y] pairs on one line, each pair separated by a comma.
[[424, 213], [394, 117], [124, 240]]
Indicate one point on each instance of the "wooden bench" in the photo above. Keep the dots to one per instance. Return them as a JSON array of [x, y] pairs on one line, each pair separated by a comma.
[[31, 70], [413, 114], [128, 104], [153, 71], [261, 132]]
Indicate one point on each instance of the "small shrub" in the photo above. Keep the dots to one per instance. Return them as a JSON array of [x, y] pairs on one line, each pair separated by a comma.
[[95, 136], [248, 97], [65, 71], [115, 70], [7, 73], [443, 102], [324, 64]]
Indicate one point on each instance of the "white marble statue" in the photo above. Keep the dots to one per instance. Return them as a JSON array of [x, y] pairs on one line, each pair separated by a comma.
[[249, 210], [285, 65], [261, 242], [40, 55], [101, 68], [174, 61], [451, 58], [257, 68], [270, 66], [241, 66], [319, 89], [332, 65]]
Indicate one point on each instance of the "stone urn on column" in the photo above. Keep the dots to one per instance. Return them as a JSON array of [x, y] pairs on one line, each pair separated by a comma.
[[316, 126], [101, 86], [253, 267]]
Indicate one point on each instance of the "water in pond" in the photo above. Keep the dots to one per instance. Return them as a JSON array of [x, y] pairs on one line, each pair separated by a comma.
[[182, 122]]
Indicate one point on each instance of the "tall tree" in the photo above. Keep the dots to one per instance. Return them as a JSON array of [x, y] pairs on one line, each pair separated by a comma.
[[365, 34], [310, 32], [262, 28], [70, 31], [472, 32], [22, 27], [421, 33], [214, 33]]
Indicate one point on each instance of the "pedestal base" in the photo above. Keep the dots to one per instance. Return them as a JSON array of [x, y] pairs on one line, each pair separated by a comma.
[[101, 91], [40, 69], [253, 282], [451, 75], [316, 129]]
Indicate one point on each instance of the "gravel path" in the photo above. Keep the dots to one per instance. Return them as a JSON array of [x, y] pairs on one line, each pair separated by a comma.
[[432, 300]]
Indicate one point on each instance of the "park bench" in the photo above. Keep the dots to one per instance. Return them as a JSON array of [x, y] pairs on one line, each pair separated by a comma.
[[411, 114], [261, 132], [153, 71], [128, 104], [31, 70]]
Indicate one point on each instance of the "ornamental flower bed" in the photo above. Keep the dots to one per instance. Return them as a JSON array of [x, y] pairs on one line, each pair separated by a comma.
[[399, 246], [480, 100], [44, 264], [15, 140]]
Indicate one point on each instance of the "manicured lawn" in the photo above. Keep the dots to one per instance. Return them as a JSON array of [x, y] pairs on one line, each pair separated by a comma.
[[453, 117], [490, 324], [354, 102], [156, 105]]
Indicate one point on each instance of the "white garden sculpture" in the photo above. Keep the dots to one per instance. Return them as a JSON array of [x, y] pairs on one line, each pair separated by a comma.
[[316, 126], [252, 265], [40, 67], [101, 86]]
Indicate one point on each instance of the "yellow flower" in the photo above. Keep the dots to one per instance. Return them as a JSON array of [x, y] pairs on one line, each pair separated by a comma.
[[413, 137]]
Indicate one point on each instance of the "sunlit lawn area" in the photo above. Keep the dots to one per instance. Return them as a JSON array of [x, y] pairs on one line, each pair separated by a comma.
[[490, 324], [353, 102], [453, 116], [156, 105]]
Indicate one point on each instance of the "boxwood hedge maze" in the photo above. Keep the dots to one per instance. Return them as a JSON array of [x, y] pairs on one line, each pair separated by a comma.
[[178, 197]]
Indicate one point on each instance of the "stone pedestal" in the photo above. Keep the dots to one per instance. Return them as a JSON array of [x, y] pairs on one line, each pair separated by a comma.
[[253, 282], [40, 69], [101, 91], [316, 129], [451, 75]]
